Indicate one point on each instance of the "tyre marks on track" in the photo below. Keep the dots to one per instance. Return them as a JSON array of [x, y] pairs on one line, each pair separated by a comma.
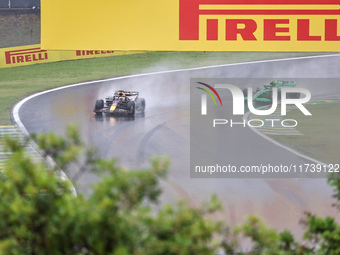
[[143, 144]]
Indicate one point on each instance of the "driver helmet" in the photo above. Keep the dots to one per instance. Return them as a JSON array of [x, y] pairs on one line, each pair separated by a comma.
[[121, 96]]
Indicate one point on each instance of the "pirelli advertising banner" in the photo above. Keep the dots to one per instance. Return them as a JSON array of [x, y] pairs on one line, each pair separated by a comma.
[[192, 25], [33, 54]]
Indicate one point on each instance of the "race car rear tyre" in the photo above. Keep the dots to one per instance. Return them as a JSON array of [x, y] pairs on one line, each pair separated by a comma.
[[99, 105], [140, 102], [132, 110]]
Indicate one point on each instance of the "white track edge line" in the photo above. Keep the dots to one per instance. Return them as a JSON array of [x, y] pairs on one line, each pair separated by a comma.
[[245, 118]]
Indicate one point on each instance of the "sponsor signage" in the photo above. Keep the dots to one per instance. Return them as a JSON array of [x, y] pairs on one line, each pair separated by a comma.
[[193, 25], [25, 56], [33, 54]]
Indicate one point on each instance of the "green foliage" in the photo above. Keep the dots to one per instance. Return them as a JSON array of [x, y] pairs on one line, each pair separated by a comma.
[[265, 240], [334, 181], [286, 241], [324, 233], [262, 239], [184, 230]]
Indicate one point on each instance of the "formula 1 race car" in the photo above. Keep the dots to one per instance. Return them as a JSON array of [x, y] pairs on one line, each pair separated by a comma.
[[264, 95], [122, 102]]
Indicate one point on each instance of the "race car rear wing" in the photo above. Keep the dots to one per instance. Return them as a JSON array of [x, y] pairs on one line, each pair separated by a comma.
[[284, 83], [127, 93]]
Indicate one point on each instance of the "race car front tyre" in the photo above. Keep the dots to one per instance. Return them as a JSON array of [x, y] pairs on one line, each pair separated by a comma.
[[99, 105]]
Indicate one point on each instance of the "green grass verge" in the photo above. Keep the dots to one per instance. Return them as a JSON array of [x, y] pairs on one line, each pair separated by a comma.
[[19, 82], [320, 139]]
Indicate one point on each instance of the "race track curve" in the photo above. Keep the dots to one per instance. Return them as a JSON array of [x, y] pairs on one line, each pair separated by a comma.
[[164, 129]]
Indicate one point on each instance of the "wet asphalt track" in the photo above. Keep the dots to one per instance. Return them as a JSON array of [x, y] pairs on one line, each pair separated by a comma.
[[164, 129]]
